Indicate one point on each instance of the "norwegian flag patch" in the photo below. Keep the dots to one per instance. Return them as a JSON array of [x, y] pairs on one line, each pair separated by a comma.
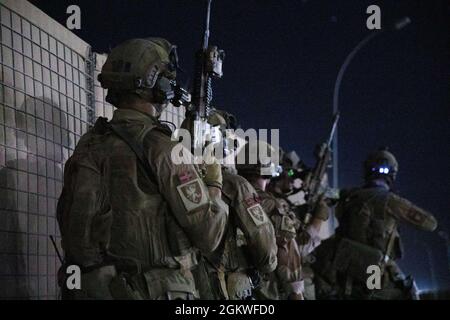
[[185, 176], [249, 202]]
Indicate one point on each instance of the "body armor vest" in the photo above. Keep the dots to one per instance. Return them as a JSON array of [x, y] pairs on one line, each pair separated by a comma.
[[111, 207], [363, 218]]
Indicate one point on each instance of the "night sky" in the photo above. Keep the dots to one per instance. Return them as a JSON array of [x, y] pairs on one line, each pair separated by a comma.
[[282, 59]]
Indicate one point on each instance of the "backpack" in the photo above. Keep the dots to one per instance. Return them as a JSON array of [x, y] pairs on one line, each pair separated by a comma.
[[83, 211]]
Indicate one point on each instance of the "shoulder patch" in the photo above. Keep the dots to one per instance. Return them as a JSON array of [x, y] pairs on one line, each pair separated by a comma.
[[257, 214], [193, 194], [417, 217], [287, 224], [282, 206]]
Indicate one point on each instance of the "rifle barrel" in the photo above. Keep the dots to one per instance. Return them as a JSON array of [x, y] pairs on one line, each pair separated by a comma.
[[206, 35]]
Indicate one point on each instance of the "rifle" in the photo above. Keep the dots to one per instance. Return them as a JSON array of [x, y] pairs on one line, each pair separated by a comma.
[[312, 183], [208, 65]]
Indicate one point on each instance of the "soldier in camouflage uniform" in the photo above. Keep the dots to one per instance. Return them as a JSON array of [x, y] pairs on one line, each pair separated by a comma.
[[368, 235], [248, 248], [308, 235], [286, 282], [129, 217], [308, 238]]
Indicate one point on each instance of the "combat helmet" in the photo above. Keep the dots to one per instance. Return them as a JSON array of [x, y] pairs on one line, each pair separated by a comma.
[[250, 164], [223, 124], [381, 164], [146, 67]]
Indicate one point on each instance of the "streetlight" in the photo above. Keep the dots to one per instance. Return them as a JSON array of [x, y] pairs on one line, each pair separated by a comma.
[[400, 24]]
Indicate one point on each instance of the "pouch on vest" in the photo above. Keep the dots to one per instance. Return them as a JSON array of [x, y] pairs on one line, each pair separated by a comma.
[[179, 243], [121, 289], [160, 282], [239, 286], [353, 258]]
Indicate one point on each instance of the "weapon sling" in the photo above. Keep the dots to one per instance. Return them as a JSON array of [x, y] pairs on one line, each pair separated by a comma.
[[137, 149]]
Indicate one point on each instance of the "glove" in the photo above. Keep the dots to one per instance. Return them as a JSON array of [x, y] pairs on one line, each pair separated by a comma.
[[213, 175], [321, 212], [212, 169]]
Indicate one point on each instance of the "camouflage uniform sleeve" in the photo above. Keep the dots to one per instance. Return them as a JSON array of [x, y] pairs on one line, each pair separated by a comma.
[[408, 212], [288, 270], [201, 216], [289, 267], [254, 223], [311, 232], [268, 203], [312, 242]]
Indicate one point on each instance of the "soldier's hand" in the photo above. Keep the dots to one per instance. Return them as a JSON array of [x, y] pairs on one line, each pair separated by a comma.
[[212, 169], [213, 175], [322, 211]]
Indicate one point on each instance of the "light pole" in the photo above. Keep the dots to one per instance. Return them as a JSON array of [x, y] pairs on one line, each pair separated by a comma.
[[397, 26]]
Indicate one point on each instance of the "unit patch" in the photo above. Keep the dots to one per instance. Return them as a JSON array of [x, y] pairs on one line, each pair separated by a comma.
[[193, 194], [287, 224], [257, 214]]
